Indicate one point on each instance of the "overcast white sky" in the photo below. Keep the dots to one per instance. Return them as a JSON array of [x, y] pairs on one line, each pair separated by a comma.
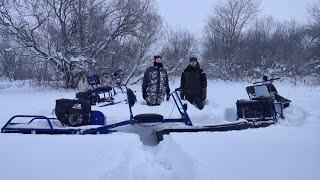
[[191, 14]]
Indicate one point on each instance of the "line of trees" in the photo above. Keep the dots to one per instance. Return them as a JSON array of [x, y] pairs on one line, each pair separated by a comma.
[[60, 42], [239, 45], [68, 39]]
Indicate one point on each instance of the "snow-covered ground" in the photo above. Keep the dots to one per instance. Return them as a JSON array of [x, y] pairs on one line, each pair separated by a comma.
[[289, 150]]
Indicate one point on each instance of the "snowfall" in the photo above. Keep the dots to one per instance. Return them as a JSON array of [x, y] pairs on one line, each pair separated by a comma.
[[288, 150]]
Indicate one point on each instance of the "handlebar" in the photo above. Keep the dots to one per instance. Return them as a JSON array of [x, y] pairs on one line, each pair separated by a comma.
[[269, 80]]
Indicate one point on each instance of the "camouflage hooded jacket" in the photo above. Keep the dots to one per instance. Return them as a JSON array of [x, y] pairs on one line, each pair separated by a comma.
[[155, 85]]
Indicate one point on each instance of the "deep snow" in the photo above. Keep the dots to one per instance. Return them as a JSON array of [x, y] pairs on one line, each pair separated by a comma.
[[288, 150]]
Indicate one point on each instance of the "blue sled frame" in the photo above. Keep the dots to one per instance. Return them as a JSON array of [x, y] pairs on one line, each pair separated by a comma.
[[9, 127], [51, 123]]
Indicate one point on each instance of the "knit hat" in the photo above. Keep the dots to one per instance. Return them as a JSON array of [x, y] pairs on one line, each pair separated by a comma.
[[156, 57], [193, 59]]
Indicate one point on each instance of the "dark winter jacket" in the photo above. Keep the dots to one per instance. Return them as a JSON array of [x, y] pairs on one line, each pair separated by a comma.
[[194, 83], [155, 85]]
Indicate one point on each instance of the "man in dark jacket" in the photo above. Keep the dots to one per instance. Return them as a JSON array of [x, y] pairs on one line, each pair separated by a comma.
[[194, 84], [155, 83]]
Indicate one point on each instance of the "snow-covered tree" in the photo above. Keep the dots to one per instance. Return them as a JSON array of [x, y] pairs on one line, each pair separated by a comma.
[[223, 32], [76, 35]]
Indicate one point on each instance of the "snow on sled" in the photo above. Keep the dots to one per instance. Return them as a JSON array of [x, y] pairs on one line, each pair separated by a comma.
[[35, 124], [76, 116], [77, 120]]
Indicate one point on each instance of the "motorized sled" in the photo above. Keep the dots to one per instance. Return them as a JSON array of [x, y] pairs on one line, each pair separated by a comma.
[[76, 117], [98, 94], [264, 103]]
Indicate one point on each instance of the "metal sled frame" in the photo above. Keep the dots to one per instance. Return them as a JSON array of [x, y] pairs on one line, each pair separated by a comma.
[[94, 82], [51, 123], [9, 126], [214, 128], [51, 130], [106, 129]]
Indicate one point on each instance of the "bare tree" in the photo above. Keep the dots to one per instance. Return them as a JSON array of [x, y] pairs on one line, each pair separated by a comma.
[[8, 63], [179, 45], [30, 25], [76, 35], [252, 52], [223, 32], [314, 11], [313, 34], [229, 19]]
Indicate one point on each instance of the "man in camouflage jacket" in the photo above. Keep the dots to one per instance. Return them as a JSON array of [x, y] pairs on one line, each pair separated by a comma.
[[155, 83]]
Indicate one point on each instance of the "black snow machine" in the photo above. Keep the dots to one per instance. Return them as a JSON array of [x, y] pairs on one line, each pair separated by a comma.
[[74, 116], [264, 105], [263, 108]]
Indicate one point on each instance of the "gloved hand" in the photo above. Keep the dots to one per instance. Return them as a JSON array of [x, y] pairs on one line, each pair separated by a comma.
[[182, 96], [168, 97], [144, 94], [204, 94]]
